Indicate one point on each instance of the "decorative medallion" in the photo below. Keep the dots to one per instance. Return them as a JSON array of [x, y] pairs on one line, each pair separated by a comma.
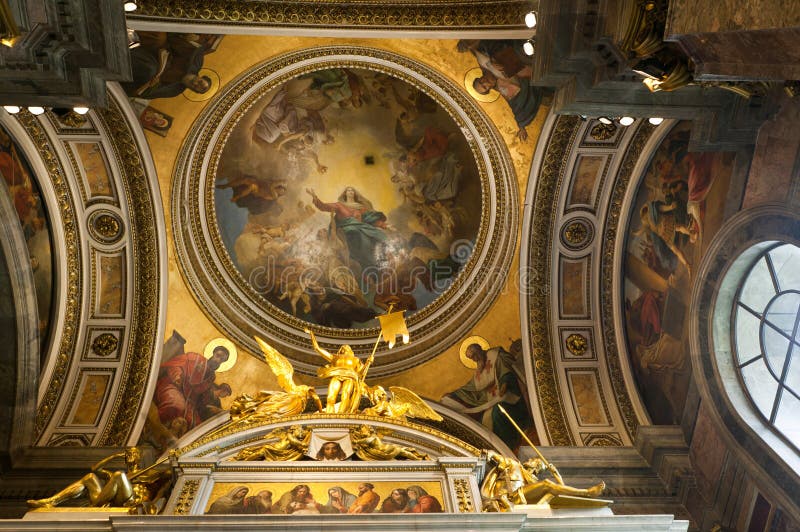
[[577, 234], [105, 227], [576, 344], [105, 344], [324, 186]]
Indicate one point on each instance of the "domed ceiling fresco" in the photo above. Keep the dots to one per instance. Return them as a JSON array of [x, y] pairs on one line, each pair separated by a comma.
[[316, 187], [344, 191]]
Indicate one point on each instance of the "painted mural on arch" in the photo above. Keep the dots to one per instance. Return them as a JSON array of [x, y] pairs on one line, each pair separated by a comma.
[[678, 209], [29, 204], [377, 201]]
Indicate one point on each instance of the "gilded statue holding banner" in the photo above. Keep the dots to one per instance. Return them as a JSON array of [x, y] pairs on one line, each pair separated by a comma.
[[346, 374]]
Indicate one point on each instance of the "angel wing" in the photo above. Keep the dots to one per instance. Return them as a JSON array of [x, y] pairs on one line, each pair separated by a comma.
[[281, 367], [412, 403]]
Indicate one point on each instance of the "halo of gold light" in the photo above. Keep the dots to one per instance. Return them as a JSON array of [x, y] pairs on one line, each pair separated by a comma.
[[462, 351], [473, 74], [189, 94], [208, 352]]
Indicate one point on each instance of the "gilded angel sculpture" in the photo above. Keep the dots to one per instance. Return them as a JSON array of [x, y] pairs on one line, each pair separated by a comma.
[[140, 489], [510, 482], [271, 404], [346, 373], [292, 445], [404, 403], [369, 446]]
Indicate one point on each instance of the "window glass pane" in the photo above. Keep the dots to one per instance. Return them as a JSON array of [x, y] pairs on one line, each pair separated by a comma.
[[761, 386], [793, 375], [782, 312], [788, 421], [775, 347], [747, 343], [785, 261], [758, 289]]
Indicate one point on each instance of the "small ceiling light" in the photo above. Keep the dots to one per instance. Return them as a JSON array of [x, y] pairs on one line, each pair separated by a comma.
[[626, 121], [527, 47], [11, 109], [130, 5], [605, 120], [655, 120], [36, 110], [81, 110], [530, 19]]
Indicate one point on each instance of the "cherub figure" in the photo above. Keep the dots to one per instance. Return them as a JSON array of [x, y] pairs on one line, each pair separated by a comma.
[[369, 447], [292, 444]]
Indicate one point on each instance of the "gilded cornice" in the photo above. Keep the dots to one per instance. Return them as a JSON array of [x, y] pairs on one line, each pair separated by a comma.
[[432, 15], [551, 176], [145, 306], [612, 230], [73, 278]]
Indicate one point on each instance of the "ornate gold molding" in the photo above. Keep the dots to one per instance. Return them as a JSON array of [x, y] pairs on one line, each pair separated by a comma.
[[551, 176], [463, 495], [144, 248], [185, 500], [329, 421], [391, 14], [73, 278], [209, 270]]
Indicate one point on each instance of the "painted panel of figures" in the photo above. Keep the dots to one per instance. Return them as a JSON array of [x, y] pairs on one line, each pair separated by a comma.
[[343, 191], [166, 65], [346, 497], [498, 382], [677, 210], [187, 390], [30, 207], [504, 70]]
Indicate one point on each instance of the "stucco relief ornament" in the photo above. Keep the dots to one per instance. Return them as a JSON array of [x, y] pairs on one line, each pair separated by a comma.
[[576, 344]]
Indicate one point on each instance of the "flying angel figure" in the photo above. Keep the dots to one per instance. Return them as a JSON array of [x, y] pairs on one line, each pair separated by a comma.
[[269, 404], [404, 403]]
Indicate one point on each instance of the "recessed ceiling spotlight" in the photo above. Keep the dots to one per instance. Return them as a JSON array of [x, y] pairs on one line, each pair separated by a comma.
[[36, 110], [605, 120], [11, 109], [527, 47], [626, 121], [530, 19], [81, 110], [655, 120], [130, 5]]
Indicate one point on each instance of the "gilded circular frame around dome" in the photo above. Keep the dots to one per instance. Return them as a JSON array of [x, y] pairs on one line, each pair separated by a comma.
[[229, 299]]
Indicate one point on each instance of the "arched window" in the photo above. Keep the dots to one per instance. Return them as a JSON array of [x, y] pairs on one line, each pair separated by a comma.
[[766, 339]]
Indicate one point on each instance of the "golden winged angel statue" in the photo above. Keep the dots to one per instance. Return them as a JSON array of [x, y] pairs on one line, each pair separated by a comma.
[[346, 375], [271, 404], [403, 403]]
